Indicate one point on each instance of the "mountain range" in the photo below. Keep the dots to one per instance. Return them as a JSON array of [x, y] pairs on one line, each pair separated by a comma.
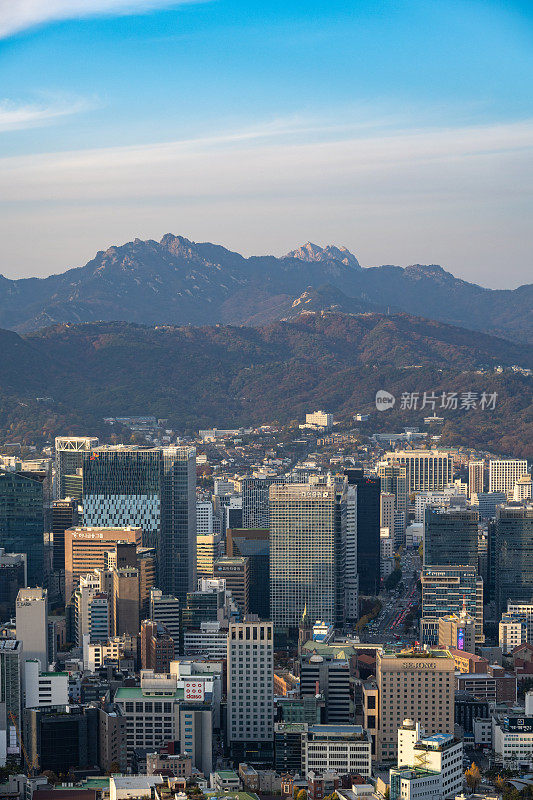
[[67, 378], [180, 282]]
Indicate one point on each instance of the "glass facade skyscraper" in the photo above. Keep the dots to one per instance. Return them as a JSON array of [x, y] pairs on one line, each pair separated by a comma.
[[22, 521], [368, 529], [513, 555], [150, 488], [307, 553], [451, 537], [69, 452]]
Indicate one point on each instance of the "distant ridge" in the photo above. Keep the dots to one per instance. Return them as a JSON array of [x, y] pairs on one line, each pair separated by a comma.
[[178, 281]]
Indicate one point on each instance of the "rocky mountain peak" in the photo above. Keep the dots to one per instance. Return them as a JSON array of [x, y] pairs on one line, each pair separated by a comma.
[[313, 252]]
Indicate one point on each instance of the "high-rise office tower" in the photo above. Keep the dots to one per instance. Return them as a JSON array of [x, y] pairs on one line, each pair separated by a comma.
[[250, 690], [504, 474], [154, 489], [449, 590], [393, 477], [12, 578], [10, 697], [165, 609], [235, 571], [253, 544], [69, 452], [330, 677], [209, 547], [307, 553], [386, 511], [419, 686], [64, 515], [86, 549], [255, 503], [368, 529], [126, 601], [22, 521], [204, 517], [32, 624], [476, 471], [90, 594], [513, 555], [426, 470], [450, 537]]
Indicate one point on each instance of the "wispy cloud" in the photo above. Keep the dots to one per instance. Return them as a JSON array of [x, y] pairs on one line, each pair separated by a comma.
[[17, 116], [17, 15]]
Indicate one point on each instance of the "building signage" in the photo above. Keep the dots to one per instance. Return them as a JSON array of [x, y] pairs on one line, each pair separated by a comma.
[[194, 690], [420, 665], [519, 724]]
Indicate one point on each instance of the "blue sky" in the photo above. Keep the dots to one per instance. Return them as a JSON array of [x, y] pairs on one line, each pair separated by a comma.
[[403, 130]]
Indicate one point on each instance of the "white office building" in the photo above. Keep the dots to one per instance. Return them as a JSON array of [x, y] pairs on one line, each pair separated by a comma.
[[204, 517], [211, 641], [512, 631], [44, 689], [342, 748], [505, 473], [32, 624], [429, 767]]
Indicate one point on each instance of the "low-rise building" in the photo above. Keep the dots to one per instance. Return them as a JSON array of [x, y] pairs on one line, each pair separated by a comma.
[[343, 748]]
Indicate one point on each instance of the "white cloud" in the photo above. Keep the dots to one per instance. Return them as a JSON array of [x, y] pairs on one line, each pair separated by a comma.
[[15, 116], [460, 197], [17, 15]]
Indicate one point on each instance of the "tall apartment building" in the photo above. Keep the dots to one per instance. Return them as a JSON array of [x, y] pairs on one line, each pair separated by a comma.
[[351, 556], [448, 590], [412, 684], [153, 489], [255, 501], [69, 452], [250, 691], [32, 624], [368, 529], [235, 571], [86, 550], [450, 537], [22, 521], [476, 472], [307, 553], [513, 555], [253, 544], [504, 473], [426, 470]]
